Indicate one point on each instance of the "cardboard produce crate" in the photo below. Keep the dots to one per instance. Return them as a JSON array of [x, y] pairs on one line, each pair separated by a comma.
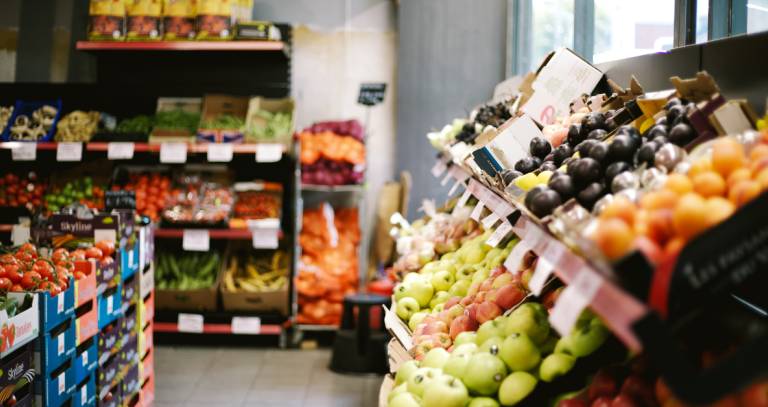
[[205, 299], [285, 105], [265, 301]]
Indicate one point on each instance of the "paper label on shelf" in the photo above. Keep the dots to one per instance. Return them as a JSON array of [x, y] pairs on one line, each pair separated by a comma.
[[246, 325], [62, 382], [573, 300], [220, 152], [190, 323], [265, 239], [60, 304], [196, 240], [546, 265], [24, 151], [269, 153], [120, 151], [269, 223], [490, 220], [477, 211], [439, 168], [462, 200], [445, 180], [84, 395], [20, 235], [516, 255], [85, 358], [455, 187], [60, 347], [69, 152], [110, 304], [173, 153], [499, 234]]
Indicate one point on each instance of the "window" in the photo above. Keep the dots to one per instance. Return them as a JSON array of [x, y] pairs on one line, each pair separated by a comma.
[[757, 16], [552, 28], [625, 29], [702, 21]]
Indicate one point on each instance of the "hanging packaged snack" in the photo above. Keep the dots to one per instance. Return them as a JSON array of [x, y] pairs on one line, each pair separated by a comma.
[[214, 19], [144, 20], [106, 20], [179, 20]]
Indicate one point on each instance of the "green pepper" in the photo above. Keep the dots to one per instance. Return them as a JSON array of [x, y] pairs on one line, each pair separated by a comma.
[[10, 306]]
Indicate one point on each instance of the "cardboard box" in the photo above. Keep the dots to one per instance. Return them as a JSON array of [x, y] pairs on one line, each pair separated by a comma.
[[397, 355], [25, 396], [147, 366], [108, 343], [108, 375], [206, 299], [264, 301], [86, 322], [85, 289], [147, 310], [734, 117], [386, 386], [128, 322], [54, 348], [148, 391], [131, 385], [508, 146], [129, 260], [54, 388], [285, 105], [109, 305], [72, 232], [564, 76], [85, 392], [130, 293], [215, 106], [86, 359], [146, 241], [257, 31], [186, 105], [16, 366], [146, 280], [114, 400], [25, 325], [127, 229], [146, 340]]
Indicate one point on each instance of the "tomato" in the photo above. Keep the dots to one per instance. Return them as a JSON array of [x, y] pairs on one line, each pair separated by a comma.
[[12, 273], [78, 254], [107, 260], [43, 266], [17, 287], [5, 284], [48, 286], [30, 279], [63, 279], [93, 253], [67, 264], [59, 257], [79, 275], [108, 396], [25, 256], [27, 246], [11, 401], [107, 247], [60, 251], [2, 271]]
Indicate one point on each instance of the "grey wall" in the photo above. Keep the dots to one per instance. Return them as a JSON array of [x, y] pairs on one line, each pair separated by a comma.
[[451, 55]]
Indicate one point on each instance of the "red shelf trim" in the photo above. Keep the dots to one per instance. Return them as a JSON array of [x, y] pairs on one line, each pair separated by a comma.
[[215, 328], [182, 46]]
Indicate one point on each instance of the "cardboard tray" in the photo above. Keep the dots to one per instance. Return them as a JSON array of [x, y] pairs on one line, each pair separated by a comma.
[[147, 366], [285, 105], [85, 289], [86, 360], [206, 299], [386, 386], [130, 385], [129, 293], [147, 393], [26, 324], [266, 301], [109, 305], [87, 325], [146, 340], [147, 310]]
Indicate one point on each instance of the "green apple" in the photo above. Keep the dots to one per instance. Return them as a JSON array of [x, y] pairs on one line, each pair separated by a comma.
[[588, 339], [446, 391], [459, 289], [438, 308], [548, 345], [492, 254], [491, 345], [448, 256], [519, 352], [536, 307], [422, 378], [484, 374], [564, 345], [483, 402], [425, 277], [416, 318], [398, 390], [405, 371], [436, 358], [501, 322], [410, 277], [442, 281], [440, 297], [488, 330], [516, 387], [456, 366], [496, 262], [406, 307], [468, 349], [430, 267], [465, 272], [421, 291], [528, 320], [480, 275], [512, 243], [402, 289], [406, 400], [475, 256], [446, 265], [465, 337], [556, 365]]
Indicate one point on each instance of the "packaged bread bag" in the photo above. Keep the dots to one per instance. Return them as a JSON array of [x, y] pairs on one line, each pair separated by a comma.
[[144, 20], [106, 20], [179, 20], [214, 19]]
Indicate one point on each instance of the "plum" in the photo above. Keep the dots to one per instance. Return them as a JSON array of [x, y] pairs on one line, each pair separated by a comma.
[[563, 185], [571, 165], [562, 152], [519, 165], [568, 161], [548, 166], [549, 157], [540, 147], [584, 147], [589, 195], [510, 175], [647, 152], [585, 172], [527, 164], [630, 131], [532, 194], [609, 114], [660, 140], [545, 202], [681, 135], [622, 148], [674, 112], [662, 121], [537, 162], [575, 135], [672, 102], [599, 153], [592, 121], [615, 169], [610, 125], [598, 134], [656, 131]]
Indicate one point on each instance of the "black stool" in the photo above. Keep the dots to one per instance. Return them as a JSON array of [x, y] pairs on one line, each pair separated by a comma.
[[357, 350]]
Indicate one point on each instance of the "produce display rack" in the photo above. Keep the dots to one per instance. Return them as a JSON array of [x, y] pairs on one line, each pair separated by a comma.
[[213, 233], [221, 323], [182, 46], [141, 147]]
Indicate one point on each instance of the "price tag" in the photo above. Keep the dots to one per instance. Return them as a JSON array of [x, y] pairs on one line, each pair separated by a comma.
[[439, 168], [499, 234], [60, 304], [69, 152], [85, 358], [573, 300], [516, 255], [220, 152], [265, 239], [545, 265], [20, 235], [24, 151], [120, 151], [462, 200], [60, 344], [84, 395], [110, 304], [196, 240], [490, 220], [173, 153], [269, 153], [269, 223], [445, 180], [190, 323], [246, 325], [477, 211], [455, 187], [62, 382]]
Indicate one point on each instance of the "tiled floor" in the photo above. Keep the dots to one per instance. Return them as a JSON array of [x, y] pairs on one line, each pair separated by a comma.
[[191, 377]]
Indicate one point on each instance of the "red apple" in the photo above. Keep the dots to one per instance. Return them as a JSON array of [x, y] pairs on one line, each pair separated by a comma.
[[601, 402], [443, 340], [450, 350], [445, 317], [510, 295], [527, 262], [491, 295], [550, 297], [421, 339], [419, 329], [480, 297], [471, 311], [497, 271], [435, 327], [487, 311], [624, 400], [525, 278], [451, 302], [487, 284], [756, 395], [643, 392], [469, 299], [463, 324], [501, 280], [473, 289], [455, 311], [517, 276], [425, 346], [573, 403], [607, 382], [430, 318]]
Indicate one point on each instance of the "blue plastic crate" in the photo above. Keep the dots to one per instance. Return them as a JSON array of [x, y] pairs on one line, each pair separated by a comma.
[[27, 108]]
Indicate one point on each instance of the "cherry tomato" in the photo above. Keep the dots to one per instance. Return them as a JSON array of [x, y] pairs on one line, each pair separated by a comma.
[[11, 401], [30, 279], [93, 253], [107, 247], [44, 265], [25, 256], [78, 254], [12, 273], [108, 396], [79, 275], [63, 278], [5, 284], [48, 286], [107, 260], [27, 246], [2, 271], [60, 251], [17, 287]]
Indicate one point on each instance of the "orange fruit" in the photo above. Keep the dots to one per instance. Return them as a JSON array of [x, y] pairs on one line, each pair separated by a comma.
[[718, 210], [743, 192], [727, 156], [679, 184], [702, 164], [760, 150], [742, 174], [663, 198], [621, 208], [614, 237], [690, 216], [708, 184]]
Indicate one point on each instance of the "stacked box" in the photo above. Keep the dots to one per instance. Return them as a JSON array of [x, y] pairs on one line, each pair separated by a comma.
[[54, 387], [18, 372], [85, 393]]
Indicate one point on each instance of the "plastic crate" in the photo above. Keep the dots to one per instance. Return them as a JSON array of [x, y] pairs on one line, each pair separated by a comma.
[[27, 108]]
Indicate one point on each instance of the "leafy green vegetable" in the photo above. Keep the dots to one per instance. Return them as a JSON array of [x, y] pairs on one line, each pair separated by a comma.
[[223, 122], [278, 125], [177, 120], [139, 124]]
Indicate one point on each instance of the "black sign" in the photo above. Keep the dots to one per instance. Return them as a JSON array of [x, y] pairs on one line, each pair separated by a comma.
[[119, 200], [371, 93]]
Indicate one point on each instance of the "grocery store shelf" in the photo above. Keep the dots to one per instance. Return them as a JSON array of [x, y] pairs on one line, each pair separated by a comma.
[[6, 228], [212, 233], [182, 46], [216, 328], [144, 147], [307, 327], [335, 188]]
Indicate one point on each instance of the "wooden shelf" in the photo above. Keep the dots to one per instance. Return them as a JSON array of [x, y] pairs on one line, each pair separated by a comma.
[[182, 46]]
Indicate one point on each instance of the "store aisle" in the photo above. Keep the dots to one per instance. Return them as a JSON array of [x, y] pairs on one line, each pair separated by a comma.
[[200, 376]]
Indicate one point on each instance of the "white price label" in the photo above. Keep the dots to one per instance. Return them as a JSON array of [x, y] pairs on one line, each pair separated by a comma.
[[265, 239], [246, 325], [499, 234], [269, 153], [490, 220], [69, 152], [20, 235], [545, 265], [220, 152], [190, 323], [477, 211], [455, 187], [439, 168], [445, 180], [196, 240], [62, 382], [173, 153], [60, 304], [85, 358], [573, 300], [462, 200], [24, 151], [269, 223], [84, 395], [120, 151], [60, 346], [110, 304], [516, 255]]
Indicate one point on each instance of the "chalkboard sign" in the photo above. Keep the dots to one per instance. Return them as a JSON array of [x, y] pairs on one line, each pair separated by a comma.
[[371, 93], [119, 200]]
